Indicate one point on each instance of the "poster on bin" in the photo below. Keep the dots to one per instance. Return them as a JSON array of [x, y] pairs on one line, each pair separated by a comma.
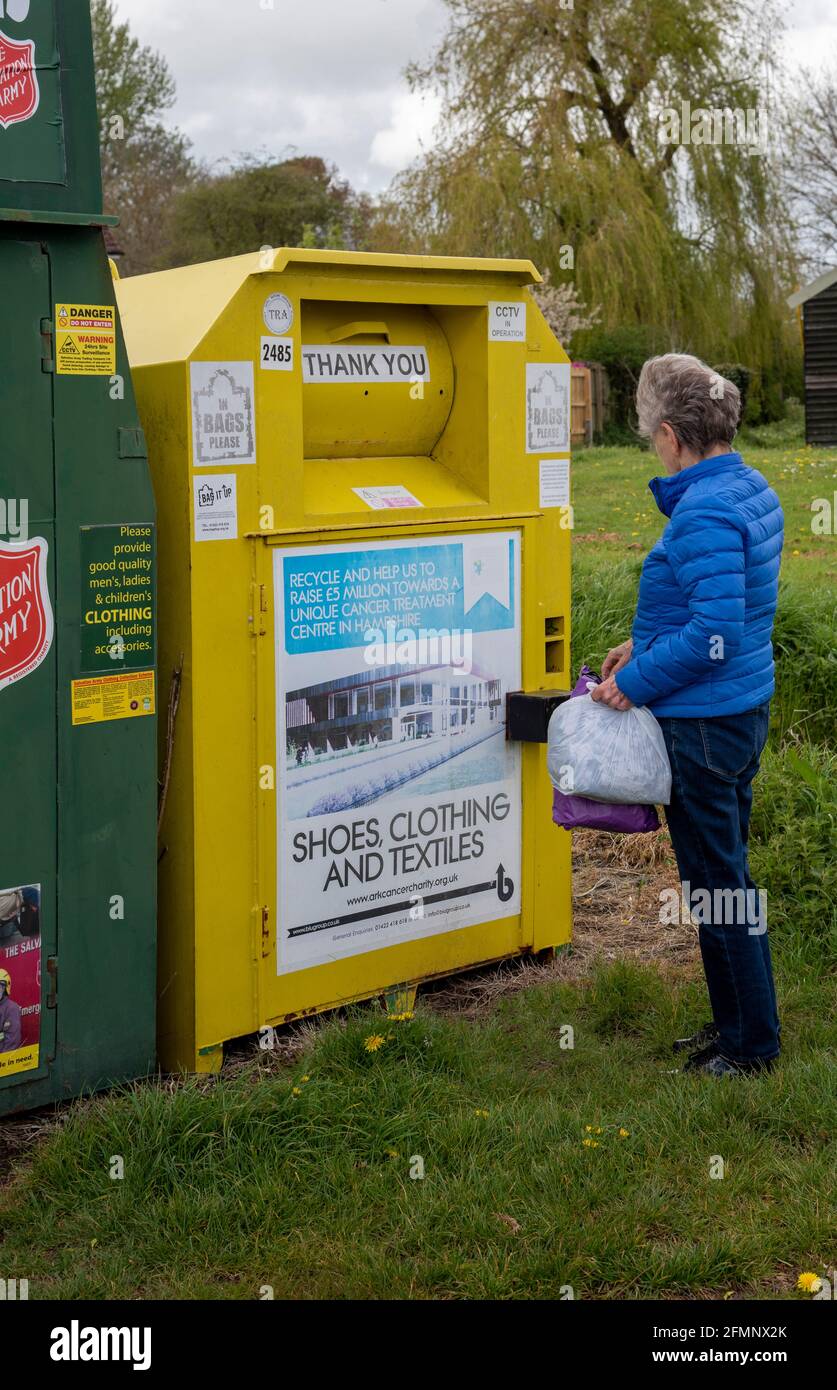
[[20, 978], [399, 811]]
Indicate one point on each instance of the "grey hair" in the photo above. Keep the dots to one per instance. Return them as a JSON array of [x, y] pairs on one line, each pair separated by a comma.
[[702, 407]]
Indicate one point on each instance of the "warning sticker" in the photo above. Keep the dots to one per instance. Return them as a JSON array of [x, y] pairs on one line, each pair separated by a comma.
[[123, 696], [85, 339]]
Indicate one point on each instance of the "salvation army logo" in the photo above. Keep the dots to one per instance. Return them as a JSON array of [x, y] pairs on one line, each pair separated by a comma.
[[26, 623], [19, 91]]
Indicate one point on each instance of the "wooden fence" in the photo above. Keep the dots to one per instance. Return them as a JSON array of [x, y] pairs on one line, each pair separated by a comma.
[[588, 402]]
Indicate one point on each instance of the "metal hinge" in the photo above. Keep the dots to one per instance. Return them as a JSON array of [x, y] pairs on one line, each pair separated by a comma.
[[131, 441], [259, 596], [52, 971], [265, 931], [47, 346]]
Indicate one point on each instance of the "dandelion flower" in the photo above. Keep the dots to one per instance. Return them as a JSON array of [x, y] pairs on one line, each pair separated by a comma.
[[623, 1133], [306, 1078], [296, 1091], [482, 1113], [373, 1042], [809, 1283], [590, 1143]]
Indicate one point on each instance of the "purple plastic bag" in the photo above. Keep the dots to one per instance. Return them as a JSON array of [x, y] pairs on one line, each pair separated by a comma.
[[579, 812]]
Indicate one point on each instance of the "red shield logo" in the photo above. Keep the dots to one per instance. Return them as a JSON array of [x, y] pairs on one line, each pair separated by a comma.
[[19, 92], [25, 610]]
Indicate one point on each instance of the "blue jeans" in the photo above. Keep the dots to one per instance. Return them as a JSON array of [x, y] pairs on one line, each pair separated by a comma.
[[713, 763]]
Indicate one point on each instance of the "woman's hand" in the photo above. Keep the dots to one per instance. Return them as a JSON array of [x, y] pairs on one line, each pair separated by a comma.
[[608, 693], [616, 658]]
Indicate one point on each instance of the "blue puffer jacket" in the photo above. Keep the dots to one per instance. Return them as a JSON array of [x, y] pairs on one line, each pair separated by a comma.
[[707, 596]]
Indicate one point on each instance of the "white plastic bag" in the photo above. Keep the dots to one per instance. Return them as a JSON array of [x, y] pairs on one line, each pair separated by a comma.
[[608, 754]]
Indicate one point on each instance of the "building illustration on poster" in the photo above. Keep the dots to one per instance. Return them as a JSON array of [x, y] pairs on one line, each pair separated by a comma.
[[399, 795], [20, 978]]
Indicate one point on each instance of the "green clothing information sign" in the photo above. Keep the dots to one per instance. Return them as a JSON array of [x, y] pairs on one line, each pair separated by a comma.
[[117, 597]]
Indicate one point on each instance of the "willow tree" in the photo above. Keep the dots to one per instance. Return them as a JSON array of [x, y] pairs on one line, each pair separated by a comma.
[[811, 163], [564, 137]]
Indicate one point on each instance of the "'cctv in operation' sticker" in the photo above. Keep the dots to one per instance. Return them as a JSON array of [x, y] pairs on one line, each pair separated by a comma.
[[26, 622], [278, 313]]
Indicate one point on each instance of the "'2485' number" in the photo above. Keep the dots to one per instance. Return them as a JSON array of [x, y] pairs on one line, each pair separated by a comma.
[[276, 352]]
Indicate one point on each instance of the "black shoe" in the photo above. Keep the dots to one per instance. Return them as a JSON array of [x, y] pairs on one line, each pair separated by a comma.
[[707, 1034], [710, 1062]]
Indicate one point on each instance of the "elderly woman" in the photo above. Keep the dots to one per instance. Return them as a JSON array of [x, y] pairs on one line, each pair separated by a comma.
[[701, 659]]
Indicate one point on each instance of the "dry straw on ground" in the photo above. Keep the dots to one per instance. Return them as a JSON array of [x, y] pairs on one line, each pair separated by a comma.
[[617, 883]]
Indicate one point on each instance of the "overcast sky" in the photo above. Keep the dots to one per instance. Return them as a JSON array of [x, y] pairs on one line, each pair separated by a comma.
[[326, 76]]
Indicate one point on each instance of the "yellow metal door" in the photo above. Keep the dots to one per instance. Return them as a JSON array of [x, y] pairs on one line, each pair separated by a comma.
[[391, 845]]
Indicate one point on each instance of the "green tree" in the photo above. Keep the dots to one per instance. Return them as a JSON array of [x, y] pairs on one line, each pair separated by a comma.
[[556, 141], [144, 162], [295, 202]]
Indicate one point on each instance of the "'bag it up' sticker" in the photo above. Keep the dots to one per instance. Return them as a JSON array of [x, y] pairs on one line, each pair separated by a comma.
[[26, 623]]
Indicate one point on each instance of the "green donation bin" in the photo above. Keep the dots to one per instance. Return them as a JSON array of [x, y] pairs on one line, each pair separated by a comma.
[[78, 810]]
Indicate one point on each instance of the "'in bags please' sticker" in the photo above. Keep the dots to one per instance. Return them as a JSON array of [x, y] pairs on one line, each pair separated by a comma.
[[547, 407], [223, 417]]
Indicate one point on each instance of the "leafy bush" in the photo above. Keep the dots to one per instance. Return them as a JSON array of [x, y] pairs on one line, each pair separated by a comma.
[[789, 432], [622, 352], [740, 376]]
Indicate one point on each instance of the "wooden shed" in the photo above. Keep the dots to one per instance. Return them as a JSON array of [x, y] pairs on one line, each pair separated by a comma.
[[818, 302], [590, 399]]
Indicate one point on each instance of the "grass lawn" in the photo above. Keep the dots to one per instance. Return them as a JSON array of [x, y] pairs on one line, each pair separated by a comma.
[[544, 1166]]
